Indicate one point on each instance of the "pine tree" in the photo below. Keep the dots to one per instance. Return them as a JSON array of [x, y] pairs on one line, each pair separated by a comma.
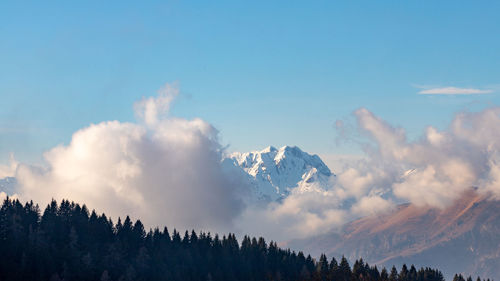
[[384, 276], [322, 268], [344, 270], [394, 276], [403, 274]]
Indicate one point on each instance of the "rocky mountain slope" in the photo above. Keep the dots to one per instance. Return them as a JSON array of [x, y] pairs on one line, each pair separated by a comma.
[[464, 237]]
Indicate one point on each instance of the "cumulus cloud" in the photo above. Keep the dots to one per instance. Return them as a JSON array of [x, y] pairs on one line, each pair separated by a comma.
[[454, 91], [162, 169], [435, 169]]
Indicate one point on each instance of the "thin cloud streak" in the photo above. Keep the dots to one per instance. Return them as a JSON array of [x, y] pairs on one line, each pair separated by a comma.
[[454, 91]]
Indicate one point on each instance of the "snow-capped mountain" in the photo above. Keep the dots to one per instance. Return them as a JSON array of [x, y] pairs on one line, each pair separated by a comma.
[[275, 173]]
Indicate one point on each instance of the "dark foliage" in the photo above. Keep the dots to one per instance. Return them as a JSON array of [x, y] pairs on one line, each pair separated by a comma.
[[67, 242]]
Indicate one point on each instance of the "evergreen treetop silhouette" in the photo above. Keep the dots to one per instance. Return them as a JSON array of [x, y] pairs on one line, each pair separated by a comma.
[[68, 243]]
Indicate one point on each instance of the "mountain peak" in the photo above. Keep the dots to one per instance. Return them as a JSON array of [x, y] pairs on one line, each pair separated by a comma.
[[268, 149], [275, 172], [291, 148]]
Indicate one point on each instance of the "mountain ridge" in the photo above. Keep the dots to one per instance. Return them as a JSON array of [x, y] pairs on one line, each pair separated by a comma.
[[457, 238]]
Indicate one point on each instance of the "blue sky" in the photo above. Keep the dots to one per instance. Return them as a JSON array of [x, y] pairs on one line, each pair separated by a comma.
[[262, 72]]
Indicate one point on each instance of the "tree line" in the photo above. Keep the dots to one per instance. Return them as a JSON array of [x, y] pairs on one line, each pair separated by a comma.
[[67, 242]]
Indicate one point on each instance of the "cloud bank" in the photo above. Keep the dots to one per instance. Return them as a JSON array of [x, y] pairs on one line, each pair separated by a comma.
[[438, 167], [454, 91], [164, 170]]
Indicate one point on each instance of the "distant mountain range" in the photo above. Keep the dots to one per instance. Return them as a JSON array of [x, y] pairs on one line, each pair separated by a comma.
[[464, 237]]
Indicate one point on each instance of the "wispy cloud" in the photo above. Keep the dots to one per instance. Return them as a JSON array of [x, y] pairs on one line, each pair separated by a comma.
[[454, 91]]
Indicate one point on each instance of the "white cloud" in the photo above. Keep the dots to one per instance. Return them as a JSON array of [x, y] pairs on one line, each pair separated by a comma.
[[165, 170], [454, 91], [443, 163], [371, 205], [152, 109], [298, 216]]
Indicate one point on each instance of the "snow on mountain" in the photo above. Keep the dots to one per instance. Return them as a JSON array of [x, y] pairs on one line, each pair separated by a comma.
[[275, 173]]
